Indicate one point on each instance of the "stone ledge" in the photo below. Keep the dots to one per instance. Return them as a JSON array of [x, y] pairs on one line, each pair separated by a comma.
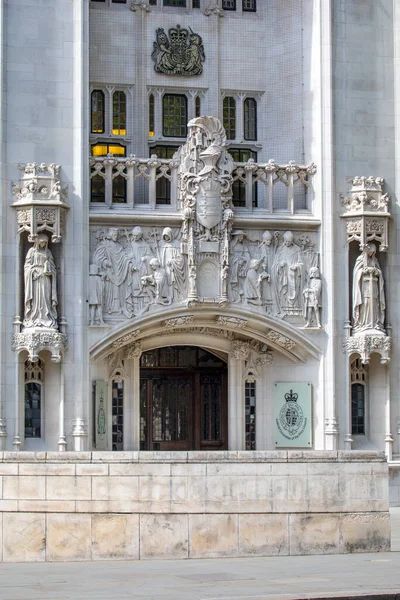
[[273, 456]]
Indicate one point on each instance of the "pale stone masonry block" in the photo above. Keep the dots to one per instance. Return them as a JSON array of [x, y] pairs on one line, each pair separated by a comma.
[[24, 488], [115, 488], [140, 469], [263, 535], [314, 534], [91, 469], [24, 537], [55, 506], [163, 536], [365, 532], [115, 537], [213, 535], [68, 488], [45, 469], [68, 537], [155, 494]]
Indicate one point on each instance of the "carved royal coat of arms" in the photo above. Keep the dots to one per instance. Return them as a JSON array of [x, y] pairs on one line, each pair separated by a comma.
[[181, 52]]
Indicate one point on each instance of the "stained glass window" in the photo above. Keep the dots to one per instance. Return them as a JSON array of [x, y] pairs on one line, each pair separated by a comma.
[[97, 111], [117, 415], [250, 414], [174, 115]]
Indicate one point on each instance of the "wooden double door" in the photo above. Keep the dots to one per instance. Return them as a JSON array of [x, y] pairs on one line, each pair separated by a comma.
[[183, 409]]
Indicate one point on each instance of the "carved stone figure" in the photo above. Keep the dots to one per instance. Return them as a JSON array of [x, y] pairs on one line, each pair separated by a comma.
[[40, 286], [239, 261], [266, 252], [140, 254], [179, 54], [117, 267], [253, 282], [312, 298], [173, 262], [96, 289], [288, 276], [368, 292], [156, 284]]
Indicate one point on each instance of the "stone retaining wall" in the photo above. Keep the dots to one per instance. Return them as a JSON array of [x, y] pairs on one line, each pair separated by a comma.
[[131, 505]]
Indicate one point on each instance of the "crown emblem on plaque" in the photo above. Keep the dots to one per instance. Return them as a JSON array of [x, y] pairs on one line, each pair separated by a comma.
[[291, 397], [180, 52]]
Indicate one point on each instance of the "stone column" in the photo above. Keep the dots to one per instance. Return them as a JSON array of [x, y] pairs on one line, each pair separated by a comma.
[[236, 409], [135, 353], [62, 442], [347, 424], [388, 413]]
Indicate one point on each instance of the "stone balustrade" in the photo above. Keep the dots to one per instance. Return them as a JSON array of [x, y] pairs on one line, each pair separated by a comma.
[[153, 182], [130, 505]]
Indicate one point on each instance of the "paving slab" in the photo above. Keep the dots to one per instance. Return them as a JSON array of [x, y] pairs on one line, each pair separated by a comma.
[[273, 578]]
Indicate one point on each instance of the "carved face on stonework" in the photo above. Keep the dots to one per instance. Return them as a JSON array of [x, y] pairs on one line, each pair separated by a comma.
[[288, 238], [42, 241], [314, 273], [113, 234], [137, 234], [154, 264], [167, 234], [267, 238], [371, 249]]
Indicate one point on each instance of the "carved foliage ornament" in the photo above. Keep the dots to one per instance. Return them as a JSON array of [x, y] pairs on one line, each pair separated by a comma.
[[181, 52], [365, 345], [34, 342]]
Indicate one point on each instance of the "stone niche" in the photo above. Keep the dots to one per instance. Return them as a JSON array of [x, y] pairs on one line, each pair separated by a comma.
[[154, 505]]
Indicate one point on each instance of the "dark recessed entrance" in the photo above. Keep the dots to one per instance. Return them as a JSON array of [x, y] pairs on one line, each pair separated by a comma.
[[183, 400]]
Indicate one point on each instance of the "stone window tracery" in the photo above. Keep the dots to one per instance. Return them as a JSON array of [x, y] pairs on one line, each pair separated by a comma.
[[34, 377]]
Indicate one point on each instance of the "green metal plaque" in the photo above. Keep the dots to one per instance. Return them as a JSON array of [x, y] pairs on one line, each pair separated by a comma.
[[292, 415], [101, 429]]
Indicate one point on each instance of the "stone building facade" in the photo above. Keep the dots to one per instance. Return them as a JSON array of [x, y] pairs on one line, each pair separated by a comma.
[[199, 242]]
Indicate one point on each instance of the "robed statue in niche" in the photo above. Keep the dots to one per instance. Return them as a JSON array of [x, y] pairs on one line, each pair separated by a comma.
[[368, 292], [40, 286]]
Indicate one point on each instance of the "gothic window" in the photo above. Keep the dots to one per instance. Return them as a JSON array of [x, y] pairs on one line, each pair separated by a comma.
[[250, 414], [249, 5], [250, 119], [174, 115], [163, 185], [175, 3], [151, 115], [239, 187], [33, 399], [229, 4], [119, 113], [119, 190], [117, 414], [97, 111], [358, 399], [229, 117], [197, 106], [97, 189], [103, 149]]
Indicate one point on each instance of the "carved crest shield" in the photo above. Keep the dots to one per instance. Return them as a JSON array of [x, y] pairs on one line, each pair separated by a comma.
[[208, 203]]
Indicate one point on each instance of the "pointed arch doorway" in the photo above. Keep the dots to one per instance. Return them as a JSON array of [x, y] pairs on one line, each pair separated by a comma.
[[183, 399]]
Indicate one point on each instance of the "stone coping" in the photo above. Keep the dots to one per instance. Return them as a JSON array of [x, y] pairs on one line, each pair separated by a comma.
[[260, 456]]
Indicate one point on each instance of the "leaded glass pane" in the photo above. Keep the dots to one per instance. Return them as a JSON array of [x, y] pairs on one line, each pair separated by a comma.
[[174, 115], [229, 117], [97, 111], [211, 396], [357, 409], [175, 3], [197, 106], [119, 190], [119, 113], [229, 4], [250, 119], [97, 191], [33, 398], [117, 415], [250, 414], [249, 5], [170, 409]]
